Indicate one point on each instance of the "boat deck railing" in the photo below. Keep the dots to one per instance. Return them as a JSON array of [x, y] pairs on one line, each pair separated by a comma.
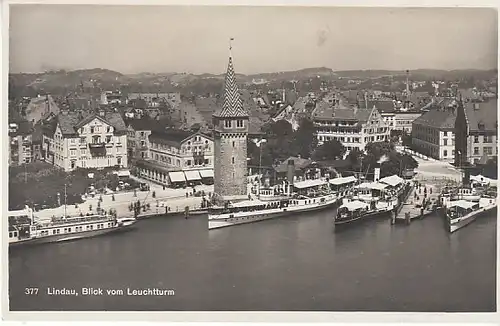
[[80, 219]]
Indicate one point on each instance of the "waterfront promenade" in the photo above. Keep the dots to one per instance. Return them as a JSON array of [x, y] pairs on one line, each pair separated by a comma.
[[175, 199]]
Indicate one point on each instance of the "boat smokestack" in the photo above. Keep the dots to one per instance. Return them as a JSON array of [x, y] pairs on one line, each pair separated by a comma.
[[466, 177], [376, 173], [290, 175]]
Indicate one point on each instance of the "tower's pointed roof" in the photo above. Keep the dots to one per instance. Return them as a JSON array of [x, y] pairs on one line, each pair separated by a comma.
[[232, 105]]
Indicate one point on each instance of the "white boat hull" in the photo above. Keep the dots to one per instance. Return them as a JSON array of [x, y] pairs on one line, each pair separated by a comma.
[[70, 236], [225, 220], [469, 218]]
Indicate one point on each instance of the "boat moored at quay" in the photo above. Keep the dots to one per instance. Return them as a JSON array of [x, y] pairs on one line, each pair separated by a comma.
[[283, 200], [24, 229], [460, 213], [367, 200]]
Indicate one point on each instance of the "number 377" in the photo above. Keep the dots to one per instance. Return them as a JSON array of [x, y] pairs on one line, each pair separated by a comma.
[[31, 291]]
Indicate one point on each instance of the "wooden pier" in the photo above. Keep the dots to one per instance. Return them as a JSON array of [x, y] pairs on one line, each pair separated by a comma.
[[420, 201]]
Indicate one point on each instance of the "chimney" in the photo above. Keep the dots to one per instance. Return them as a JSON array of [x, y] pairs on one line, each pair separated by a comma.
[[376, 173], [290, 171]]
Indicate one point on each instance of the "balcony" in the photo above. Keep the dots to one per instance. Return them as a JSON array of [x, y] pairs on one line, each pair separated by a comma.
[[96, 145], [198, 152]]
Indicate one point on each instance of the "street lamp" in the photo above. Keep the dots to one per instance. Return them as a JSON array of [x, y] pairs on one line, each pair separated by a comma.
[[259, 145]]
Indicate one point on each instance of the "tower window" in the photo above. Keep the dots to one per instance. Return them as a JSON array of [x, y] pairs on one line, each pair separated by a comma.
[[227, 123], [232, 160], [234, 144], [239, 123]]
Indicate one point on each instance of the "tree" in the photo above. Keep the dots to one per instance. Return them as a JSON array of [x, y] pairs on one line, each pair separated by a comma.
[[281, 129], [305, 140], [330, 150], [378, 149], [406, 139], [355, 156]]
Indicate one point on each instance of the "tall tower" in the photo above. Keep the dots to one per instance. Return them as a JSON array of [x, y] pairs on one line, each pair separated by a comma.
[[230, 142]]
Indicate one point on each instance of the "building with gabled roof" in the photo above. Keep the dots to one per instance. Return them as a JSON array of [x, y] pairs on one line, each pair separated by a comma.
[[86, 139], [476, 127], [351, 125]]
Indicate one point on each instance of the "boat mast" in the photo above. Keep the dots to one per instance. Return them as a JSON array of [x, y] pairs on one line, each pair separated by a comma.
[[65, 195]]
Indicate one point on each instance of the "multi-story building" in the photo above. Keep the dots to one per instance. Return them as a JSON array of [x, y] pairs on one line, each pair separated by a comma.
[[433, 132], [230, 142], [87, 140], [138, 132], [404, 120], [177, 156], [20, 142], [476, 128], [354, 127]]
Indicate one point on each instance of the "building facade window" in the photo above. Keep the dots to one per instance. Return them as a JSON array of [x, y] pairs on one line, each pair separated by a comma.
[[228, 123], [476, 150], [232, 160], [445, 153], [476, 139], [488, 150], [445, 142], [239, 123]]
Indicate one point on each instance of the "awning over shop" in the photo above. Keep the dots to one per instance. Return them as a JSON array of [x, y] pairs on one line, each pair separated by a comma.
[[192, 175], [177, 176], [207, 173]]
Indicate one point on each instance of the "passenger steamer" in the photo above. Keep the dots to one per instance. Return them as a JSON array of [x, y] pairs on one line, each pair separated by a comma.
[[368, 200], [460, 213], [282, 200], [24, 230]]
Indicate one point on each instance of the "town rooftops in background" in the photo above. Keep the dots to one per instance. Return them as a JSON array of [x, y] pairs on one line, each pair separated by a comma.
[[20, 128], [145, 124]]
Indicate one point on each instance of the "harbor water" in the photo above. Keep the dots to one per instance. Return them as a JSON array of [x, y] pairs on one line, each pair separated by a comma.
[[296, 263]]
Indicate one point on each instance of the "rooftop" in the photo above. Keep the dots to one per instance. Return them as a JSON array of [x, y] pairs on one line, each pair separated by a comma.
[[441, 118], [172, 137], [232, 106], [340, 111], [69, 122], [485, 114]]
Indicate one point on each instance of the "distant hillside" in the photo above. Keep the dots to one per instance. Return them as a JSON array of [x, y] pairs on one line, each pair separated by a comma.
[[419, 73], [61, 81]]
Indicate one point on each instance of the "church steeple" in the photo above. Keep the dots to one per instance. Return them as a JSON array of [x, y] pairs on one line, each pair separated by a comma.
[[232, 106]]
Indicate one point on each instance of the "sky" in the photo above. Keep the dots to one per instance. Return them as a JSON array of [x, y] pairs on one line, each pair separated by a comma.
[[195, 39]]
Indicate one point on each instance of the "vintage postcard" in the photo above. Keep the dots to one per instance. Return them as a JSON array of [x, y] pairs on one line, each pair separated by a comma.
[[175, 158]]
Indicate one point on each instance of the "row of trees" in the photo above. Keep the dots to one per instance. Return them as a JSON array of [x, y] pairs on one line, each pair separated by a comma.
[[283, 142]]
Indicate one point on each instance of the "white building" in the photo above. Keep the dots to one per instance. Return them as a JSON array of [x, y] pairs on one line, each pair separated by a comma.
[[178, 156], [87, 140], [433, 132], [352, 126]]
